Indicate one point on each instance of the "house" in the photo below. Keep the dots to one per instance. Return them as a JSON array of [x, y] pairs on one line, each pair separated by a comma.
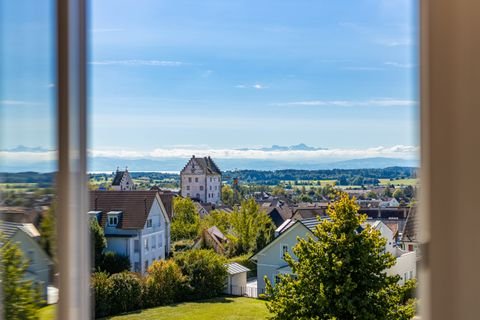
[[122, 181], [26, 236], [136, 225], [270, 260], [409, 237], [389, 203], [201, 179], [212, 238], [236, 279]]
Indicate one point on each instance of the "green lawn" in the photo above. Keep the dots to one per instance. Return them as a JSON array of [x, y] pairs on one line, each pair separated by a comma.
[[215, 309], [47, 313]]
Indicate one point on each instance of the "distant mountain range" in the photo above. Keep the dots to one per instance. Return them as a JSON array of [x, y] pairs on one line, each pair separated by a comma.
[[175, 164], [297, 147]]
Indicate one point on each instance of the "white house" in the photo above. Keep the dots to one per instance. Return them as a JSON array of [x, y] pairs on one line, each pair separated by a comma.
[[389, 203], [270, 260], [201, 179], [136, 225], [26, 236], [123, 181]]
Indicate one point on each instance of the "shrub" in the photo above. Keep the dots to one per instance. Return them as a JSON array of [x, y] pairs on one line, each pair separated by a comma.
[[164, 283], [114, 263], [126, 292], [205, 270], [102, 291]]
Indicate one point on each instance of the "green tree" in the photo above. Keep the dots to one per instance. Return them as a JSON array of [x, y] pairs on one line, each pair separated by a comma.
[[340, 274], [205, 271], [372, 195], [126, 294], [409, 192], [251, 228], [185, 224], [278, 190], [98, 240], [164, 284], [21, 298], [387, 192], [398, 194], [47, 227], [112, 262], [227, 195], [218, 218]]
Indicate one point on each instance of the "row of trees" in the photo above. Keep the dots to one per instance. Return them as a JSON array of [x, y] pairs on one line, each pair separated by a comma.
[[190, 275]]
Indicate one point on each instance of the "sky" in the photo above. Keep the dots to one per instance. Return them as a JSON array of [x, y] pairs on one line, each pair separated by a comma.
[[217, 75]]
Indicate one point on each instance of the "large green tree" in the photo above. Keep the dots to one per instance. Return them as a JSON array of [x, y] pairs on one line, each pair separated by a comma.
[[227, 195], [98, 241], [340, 274], [251, 228], [186, 220], [48, 232], [21, 298]]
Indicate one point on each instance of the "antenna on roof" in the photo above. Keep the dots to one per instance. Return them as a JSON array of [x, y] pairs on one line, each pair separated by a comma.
[[118, 168], [126, 168]]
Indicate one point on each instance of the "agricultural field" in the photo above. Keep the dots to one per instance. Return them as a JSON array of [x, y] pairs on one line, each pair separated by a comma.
[[400, 182], [18, 187]]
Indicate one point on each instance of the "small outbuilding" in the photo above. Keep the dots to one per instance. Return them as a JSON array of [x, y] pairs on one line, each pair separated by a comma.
[[236, 279]]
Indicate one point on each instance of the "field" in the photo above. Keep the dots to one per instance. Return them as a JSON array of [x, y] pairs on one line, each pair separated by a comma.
[[214, 309], [400, 182], [18, 187]]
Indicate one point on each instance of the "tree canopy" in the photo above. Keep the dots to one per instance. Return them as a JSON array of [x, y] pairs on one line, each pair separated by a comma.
[[185, 222], [340, 273]]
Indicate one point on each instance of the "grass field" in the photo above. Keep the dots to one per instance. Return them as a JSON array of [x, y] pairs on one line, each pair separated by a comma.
[[214, 309], [47, 313], [400, 182]]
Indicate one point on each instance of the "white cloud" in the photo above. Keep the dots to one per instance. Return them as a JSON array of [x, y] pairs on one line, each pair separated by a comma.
[[137, 62], [399, 65], [256, 86], [398, 151], [18, 103], [102, 30], [384, 102], [363, 68]]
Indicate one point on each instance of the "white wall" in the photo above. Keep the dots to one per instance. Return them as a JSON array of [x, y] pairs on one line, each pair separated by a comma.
[[405, 266]]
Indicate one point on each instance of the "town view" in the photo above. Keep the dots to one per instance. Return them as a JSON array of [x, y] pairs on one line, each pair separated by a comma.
[[246, 160]]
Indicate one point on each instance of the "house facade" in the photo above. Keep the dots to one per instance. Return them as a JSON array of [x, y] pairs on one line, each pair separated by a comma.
[[271, 263], [136, 225], [26, 236], [123, 181], [201, 179]]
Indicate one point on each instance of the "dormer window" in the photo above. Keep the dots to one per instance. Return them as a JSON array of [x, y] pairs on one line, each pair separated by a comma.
[[113, 218]]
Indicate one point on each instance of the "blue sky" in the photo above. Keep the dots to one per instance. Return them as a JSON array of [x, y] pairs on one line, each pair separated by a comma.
[[219, 74]]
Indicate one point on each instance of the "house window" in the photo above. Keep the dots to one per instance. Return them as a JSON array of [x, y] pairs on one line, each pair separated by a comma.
[[188, 188], [215, 187], [160, 241], [146, 265], [188, 194], [145, 244], [411, 274], [198, 195], [112, 221], [196, 179], [154, 242], [136, 267], [210, 188], [136, 246], [189, 179], [284, 250], [149, 223], [277, 279], [201, 188]]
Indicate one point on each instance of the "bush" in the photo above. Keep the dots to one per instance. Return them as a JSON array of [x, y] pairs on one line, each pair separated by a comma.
[[114, 263], [126, 292], [205, 270], [164, 283], [102, 291]]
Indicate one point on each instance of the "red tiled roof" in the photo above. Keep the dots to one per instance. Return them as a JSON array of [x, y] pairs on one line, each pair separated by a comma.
[[135, 206]]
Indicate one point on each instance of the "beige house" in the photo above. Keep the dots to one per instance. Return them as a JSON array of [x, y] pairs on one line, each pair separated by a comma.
[[201, 179]]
